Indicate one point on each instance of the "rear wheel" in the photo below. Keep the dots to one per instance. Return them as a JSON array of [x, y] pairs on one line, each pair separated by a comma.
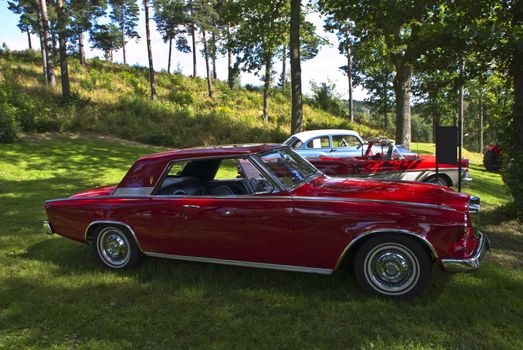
[[440, 180], [393, 266], [115, 248]]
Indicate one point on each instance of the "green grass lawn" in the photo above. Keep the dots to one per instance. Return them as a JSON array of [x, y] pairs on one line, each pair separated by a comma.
[[54, 295]]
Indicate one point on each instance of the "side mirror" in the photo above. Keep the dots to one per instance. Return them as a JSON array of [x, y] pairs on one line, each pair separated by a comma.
[[334, 149]]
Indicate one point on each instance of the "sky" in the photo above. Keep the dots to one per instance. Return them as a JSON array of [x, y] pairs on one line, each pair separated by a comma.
[[323, 68]]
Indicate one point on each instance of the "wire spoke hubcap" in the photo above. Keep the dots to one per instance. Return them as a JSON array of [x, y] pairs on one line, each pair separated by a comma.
[[114, 246], [391, 268]]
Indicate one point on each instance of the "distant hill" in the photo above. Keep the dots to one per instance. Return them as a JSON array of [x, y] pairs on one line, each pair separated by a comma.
[[112, 99]]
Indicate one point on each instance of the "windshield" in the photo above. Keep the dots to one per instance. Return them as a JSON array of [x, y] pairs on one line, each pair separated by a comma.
[[288, 167]]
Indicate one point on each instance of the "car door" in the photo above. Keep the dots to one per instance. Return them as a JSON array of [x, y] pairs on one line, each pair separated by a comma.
[[346, 146], [251, 227], [316, 147]]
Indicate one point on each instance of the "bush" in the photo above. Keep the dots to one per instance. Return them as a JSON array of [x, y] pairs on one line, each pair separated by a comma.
[[9, 127]]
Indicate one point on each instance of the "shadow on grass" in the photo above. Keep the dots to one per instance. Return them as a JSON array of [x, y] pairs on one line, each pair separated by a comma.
[[192, 304]]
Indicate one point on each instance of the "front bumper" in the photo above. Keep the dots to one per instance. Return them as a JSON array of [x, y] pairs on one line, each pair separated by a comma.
[[465, 178], [47, 228], [472, 263]]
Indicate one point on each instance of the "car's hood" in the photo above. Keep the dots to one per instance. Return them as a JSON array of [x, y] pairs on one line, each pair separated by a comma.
[[398, 191]]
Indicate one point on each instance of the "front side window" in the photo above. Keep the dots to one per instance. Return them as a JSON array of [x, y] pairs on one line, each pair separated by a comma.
[[214, 177], [346, 141], [288, 167]]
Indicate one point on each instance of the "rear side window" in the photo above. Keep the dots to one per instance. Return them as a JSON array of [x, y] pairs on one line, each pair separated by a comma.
[[319, 142], [229, 169], [293, 142]]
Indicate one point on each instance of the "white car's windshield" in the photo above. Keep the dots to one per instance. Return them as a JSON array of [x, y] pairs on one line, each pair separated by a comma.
[[288, 167]]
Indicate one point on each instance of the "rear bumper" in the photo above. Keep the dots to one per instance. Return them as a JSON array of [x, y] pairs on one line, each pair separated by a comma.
[[472, 263], [47, 228]]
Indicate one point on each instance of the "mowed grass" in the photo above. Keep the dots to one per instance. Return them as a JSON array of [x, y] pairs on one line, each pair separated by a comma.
[[53, 294]]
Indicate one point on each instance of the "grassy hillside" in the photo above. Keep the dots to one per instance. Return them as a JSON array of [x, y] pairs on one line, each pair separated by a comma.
[[112, 99], [53, 294]]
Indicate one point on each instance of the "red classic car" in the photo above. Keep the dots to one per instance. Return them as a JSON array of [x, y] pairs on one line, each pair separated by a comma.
[[382, 160], [265, 206], [492, 157]]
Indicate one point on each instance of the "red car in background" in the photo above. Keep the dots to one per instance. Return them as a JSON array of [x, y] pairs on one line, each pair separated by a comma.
[[265, 206], [492, 157], [384, 161]]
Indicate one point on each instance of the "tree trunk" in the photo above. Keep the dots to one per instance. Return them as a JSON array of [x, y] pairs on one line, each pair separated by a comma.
[[230, 73], [53, 41], [516, 72], [81, 49], [193, 35], [266, 88], [51, 79], [122, 27], [283, 79], [64, 69], [149, 50], [297, 103], [461, 110], [349, 70], [44, 57], [481, 142], [385, 106], [402, 91], [207, 67], [214, 71], [29, 38], [435, 120], [41, 37], [170, 53]]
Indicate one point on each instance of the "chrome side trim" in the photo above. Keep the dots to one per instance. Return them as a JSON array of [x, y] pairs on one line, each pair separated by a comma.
[[114, 223], [247, 196], [342, 199], [472, 263], [384, 230], [242, 263], [252, 196], [132, 191]]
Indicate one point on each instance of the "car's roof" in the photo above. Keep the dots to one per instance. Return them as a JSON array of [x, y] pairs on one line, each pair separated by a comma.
[[211, 151], [307, 135]]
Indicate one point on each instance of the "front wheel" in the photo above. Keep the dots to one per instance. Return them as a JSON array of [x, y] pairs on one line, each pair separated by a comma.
[[393, 266], [115, 248]]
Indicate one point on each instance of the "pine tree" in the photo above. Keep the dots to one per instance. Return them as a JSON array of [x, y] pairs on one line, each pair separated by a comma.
[[125, 14], [171, 23]]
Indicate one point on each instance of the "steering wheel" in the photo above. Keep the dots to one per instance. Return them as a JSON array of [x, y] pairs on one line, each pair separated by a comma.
[[260, 185]]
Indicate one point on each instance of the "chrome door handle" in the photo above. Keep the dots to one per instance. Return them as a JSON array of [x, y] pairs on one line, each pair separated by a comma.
[[191, 206]]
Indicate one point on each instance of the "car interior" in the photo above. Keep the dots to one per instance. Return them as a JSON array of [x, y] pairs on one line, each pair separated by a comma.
[[212, 177]]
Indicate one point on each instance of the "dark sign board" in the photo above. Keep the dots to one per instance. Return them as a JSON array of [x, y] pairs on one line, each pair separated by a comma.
[[447, 145]]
